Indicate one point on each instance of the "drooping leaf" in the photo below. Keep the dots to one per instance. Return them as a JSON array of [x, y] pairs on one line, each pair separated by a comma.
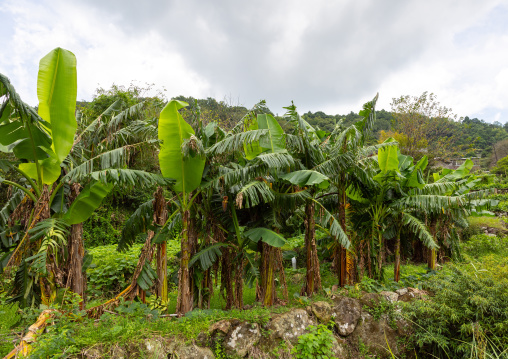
[[173, 131], [208, 255], [88, 201], [137, 223], [305, 178], [265, 235], [146, 277]]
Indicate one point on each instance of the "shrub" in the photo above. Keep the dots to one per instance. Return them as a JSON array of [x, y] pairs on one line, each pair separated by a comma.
[[111, 270], [317, 343], [470, 304], [482, 244]]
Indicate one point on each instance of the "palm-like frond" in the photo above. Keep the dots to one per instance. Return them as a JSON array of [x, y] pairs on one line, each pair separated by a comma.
[[254, 193], [331, 225], [25, 111], [431, 203], [208, 256], [146, 277], [419, 229], [10, 206], [277, 160], [235, 142], [124, 116], [53, 234], [137, 223]]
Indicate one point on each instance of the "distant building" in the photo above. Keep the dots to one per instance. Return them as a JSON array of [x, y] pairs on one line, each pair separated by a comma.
[[454, 163]]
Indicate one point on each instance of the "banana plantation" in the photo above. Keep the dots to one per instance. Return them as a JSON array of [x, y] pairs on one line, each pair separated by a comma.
[[232, 196]]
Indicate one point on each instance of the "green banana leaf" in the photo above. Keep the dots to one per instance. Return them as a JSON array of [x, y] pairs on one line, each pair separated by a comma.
[[173, 130], [307, 178], [57, 90], [388, 158], [50, 169], [415, 179], [88, 201], [265, 235], [251, 149], [273, 142]]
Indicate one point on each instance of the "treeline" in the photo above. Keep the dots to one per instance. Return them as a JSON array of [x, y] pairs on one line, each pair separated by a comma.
[[466, 137]]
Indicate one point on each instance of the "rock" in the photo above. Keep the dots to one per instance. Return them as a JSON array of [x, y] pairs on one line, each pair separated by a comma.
[[118, 353], [412, 294], [222, 326], [339, 348], [401, 291], [375, 334], [203, 339], [322, 311], [242, 338], [392, 297], [156, 348], [191, 352], [345, 313], [93, 353], [371, 300], [290, 325]]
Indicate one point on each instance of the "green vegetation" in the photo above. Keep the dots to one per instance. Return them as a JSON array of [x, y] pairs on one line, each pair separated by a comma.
[[137, 208], [317, 343], [468, 314]]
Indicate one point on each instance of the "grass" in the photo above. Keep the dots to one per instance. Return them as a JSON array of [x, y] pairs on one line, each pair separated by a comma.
[[492, 222]]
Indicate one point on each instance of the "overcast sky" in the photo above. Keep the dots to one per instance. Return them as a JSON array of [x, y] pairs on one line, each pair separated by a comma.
[[325, 55]]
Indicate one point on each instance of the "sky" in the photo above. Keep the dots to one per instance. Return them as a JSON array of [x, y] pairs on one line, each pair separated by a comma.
[[324, 55]]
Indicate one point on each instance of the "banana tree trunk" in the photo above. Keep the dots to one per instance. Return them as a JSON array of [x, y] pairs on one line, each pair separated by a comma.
[[225, 278], [239, 285], [380, 255], [76, 279], [268, 285], [431, 259], [185, 297], [396, 275], [160, 218], [313, 277], [340, 253]]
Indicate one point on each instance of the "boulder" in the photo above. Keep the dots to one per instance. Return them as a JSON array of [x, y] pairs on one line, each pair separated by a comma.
[[375, 334], [191, 352], [222, 326], [290, 325], [242, 338], [401, 291], [156, 348], [346, 313], [93, 353], [413, 293], [371, 300], [322, 311], [118, 353], [339, 348], [392, 297]]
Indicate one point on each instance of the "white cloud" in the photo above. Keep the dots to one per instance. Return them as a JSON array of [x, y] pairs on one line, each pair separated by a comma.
[[329, 56]]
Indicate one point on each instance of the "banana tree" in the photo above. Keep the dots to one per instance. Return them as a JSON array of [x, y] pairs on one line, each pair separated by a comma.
[[54, 166], [41, 143], [181, 158], [347, 163]]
